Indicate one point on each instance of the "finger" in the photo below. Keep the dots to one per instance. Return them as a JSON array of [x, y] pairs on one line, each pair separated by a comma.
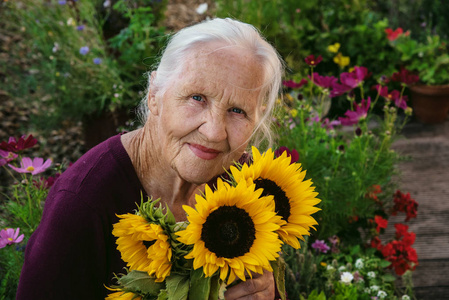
[[260, 287]]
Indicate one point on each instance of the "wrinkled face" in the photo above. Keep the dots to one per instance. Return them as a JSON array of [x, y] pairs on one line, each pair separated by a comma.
[[209, 111]]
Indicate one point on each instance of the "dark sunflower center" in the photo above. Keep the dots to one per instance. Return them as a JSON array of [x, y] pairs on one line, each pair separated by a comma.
[[148, 244], [282, 204], [228, 232]]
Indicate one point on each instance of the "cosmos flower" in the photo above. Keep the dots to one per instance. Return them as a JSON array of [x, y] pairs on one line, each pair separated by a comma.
[[10, 236], [233, 231], [35, 166], [14, 145], [312, 61], [360, 112], [294, 197]]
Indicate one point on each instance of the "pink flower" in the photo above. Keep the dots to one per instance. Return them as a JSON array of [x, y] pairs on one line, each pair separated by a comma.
[[35, 166], [353, 117], [354, 78], [395, 95], [339, 89], [8, 237], [294, 85], [326, 82], [290, 153], [14, 145], [6, 157], [320, 246], [312, 61], [330, 124]]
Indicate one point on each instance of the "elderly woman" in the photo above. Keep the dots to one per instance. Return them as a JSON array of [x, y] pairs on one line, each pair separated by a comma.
[[210, 97]]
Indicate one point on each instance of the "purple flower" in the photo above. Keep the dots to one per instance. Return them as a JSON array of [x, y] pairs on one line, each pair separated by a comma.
[[62, 2], [330, 124], [353, 117], [10, 236], [324, 81], [35, 166], [320, 246], [6, 157], [80, 27], [355, 78], [339, 89], [84, 50], [97, 60], [293, 153], [294, 85]]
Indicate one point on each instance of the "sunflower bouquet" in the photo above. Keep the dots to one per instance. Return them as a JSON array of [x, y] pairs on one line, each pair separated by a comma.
[[235, 230]]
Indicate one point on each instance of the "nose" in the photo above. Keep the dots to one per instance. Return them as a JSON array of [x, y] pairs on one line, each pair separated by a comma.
[[214, 127]]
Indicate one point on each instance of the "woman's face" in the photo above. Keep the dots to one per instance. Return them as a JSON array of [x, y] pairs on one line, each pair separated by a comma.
[[209, 111]]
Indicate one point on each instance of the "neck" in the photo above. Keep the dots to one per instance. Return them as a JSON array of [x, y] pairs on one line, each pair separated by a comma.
[[157, 177]]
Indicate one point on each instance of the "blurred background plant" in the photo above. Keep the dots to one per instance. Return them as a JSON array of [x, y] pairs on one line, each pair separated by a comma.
[[23, 206]]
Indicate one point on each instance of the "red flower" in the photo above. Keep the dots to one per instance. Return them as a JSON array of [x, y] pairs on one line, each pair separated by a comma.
[[405, 76], [373, 191], [291, 153], [294, 85], [376, 243], [14, 146], [393, 35], [381, 223], [404, 203], [312, 61]]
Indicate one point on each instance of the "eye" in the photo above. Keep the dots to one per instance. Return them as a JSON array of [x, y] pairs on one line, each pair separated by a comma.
[[238, 110], [197, 98]]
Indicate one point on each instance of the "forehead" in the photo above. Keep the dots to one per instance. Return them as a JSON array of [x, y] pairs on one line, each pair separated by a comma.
[[221, 64]]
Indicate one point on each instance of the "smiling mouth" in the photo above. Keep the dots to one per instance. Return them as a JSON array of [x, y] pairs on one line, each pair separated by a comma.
[[203, 152]]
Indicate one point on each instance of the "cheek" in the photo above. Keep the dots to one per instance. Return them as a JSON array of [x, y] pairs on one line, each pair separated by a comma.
[[240, 134]]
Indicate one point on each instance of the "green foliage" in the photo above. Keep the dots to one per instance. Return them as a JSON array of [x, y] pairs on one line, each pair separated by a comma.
[[300, 28], [67, 83], [430, 58]]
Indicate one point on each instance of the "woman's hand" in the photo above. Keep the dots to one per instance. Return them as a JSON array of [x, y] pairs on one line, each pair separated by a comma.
[[260, 287]]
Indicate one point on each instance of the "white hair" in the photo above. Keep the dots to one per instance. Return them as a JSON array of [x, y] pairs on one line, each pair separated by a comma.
[[229, 32]]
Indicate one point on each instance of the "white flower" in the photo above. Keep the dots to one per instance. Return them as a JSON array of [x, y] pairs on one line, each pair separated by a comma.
[[330, 267], [346, 277], [341, 269], [381, 294], [367, 290], [359, 263], [371, 274], [405, 297], [116, 95], [71, 22], [201, 9], [55, 47], [107, 3], [374, 288]]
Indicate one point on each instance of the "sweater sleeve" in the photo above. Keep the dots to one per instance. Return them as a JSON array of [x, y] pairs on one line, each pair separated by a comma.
[[63, 257]]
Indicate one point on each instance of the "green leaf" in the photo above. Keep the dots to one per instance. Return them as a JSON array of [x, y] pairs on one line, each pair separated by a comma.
[[388, 278], [384, 263], [162, 295], [177, 287], [199, 285], [138, 281], [215, 284], [279, 275]]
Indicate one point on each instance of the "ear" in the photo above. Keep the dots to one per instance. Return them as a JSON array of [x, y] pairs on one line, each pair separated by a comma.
[[153, 103]]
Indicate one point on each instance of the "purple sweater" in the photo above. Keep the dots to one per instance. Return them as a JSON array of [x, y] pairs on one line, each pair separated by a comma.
[[73, 254]]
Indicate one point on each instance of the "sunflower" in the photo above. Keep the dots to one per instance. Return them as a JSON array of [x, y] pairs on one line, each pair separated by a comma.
[[293, 196], [143, 245], [122, 295], [232, 229]]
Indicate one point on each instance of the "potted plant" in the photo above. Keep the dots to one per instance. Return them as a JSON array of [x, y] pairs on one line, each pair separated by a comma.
[[430, 60]]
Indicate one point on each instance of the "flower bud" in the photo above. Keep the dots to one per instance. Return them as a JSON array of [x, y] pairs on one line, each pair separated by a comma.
[[408, 111]]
